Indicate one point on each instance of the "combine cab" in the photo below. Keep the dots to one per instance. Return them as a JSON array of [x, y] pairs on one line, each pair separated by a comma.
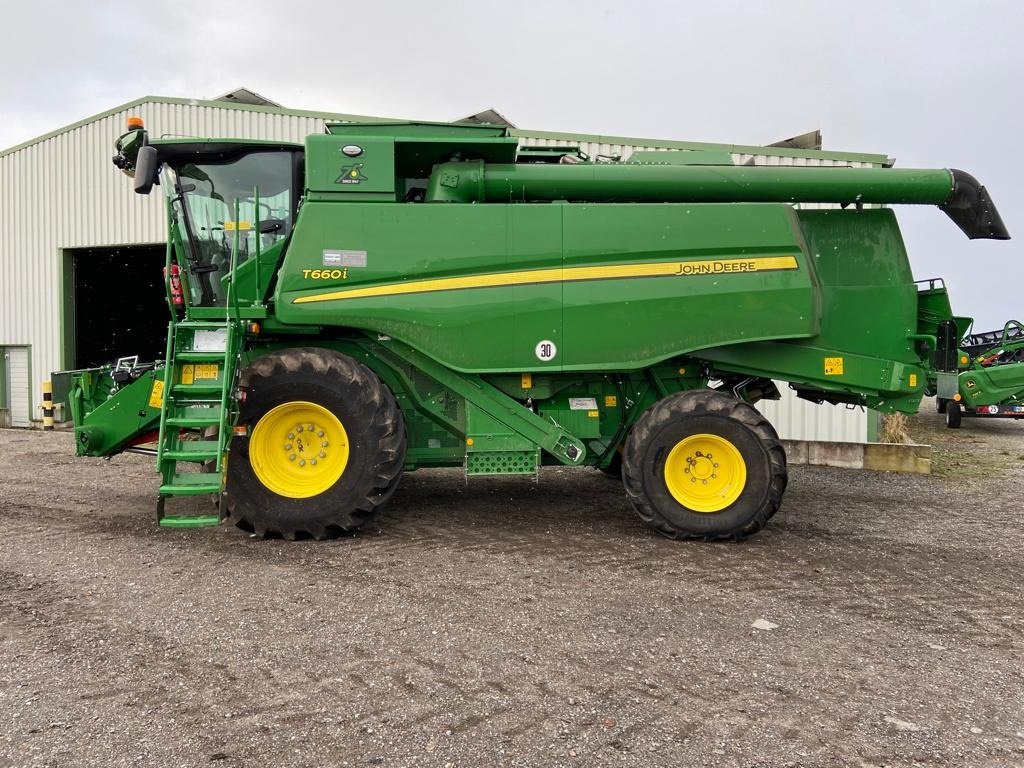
[[393, 296]]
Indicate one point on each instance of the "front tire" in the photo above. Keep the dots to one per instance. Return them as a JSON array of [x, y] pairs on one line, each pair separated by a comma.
[[325, 446], [954, 412], [941, 404], [704, 465]]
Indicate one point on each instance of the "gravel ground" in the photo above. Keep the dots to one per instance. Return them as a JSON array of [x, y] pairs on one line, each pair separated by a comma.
[[503, 623]]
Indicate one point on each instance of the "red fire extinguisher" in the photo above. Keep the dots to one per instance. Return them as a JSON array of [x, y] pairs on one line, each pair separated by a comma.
[[177, 296]]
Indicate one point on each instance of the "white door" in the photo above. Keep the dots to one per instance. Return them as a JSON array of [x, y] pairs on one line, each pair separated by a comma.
[[18, 394]]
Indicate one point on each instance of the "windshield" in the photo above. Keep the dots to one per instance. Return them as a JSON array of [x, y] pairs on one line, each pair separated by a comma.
[[259, 184]]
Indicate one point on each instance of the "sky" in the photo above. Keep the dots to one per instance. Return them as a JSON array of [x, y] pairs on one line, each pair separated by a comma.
[[932, 84]]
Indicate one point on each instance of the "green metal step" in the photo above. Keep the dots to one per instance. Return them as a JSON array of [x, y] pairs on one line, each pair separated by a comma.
[[179, 400], [190, 356], [502, 463], [189, 521], [201, 325], [193, 450], [195, 421], [191, 484], [196, 389]]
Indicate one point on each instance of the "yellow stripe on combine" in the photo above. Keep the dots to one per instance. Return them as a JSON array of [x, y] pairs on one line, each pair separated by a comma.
[[566, 275]]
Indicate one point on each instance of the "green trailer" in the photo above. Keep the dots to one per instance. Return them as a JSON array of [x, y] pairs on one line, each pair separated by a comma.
[[388, 297]]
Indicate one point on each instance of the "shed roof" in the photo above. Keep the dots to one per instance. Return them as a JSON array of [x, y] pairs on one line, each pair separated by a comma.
[[268, 108], [245, 96]]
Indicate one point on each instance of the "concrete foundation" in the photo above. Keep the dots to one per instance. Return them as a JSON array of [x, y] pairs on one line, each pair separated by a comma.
[[880, 457]]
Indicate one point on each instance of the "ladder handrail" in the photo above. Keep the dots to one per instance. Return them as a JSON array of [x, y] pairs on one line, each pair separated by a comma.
[[231, 300], [167, 267], [225, 393], [231, 314], [168, 383], [257, 297], [171, 332]]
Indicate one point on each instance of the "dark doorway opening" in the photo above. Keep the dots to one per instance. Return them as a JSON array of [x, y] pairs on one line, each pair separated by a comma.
[[119, 304]]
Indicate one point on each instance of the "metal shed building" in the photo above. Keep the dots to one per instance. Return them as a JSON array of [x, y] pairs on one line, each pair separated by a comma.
[[81, 254]]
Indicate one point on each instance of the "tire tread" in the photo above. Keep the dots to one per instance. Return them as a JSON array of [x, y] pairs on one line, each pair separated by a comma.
[[387, 432], [697, 403]]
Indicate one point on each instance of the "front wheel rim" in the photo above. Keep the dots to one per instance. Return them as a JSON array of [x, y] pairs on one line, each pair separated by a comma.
[[705, 473], [298, 449]]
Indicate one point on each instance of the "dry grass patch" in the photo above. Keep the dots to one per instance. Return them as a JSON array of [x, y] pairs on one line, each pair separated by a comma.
[[894, 429]]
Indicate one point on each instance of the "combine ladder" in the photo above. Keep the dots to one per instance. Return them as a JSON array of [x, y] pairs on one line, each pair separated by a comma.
[[201, 365], [199, 394]]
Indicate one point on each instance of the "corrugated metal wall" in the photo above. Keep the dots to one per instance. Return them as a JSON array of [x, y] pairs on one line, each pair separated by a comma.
[[62, 192], [796, 419]]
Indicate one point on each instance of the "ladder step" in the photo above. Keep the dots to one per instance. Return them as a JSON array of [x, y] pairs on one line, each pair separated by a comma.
[[194, 422], [181, 402], [196, 389], [194, 450], [190, 356], [191, 484], [189, 521], [202, 325]]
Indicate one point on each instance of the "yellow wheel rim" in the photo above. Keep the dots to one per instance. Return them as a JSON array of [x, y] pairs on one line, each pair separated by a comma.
[[298, 449], [705, 473]]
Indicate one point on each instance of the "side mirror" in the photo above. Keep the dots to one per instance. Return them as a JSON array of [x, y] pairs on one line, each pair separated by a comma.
[[146, 166]]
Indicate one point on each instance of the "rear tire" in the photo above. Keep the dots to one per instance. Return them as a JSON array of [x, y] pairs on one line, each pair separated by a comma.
[[940, 404], [704, 465], [351, 460], [953, 415]]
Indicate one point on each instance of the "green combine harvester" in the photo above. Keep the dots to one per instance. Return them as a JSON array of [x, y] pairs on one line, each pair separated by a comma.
[[393, 296], [990, 383]]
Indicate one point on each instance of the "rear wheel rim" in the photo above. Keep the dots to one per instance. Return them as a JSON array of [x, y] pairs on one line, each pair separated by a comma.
[[705, 473], [298, 449]]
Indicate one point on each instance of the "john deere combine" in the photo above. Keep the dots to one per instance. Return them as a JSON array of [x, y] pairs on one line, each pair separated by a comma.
[[990, 383], [395, 296]]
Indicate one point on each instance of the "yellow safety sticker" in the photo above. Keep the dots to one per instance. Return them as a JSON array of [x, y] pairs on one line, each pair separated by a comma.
[[241, 226], [156, 394], [527, 381], [833, 366], [207, 371], [592, 414], [610, 401], [913, 379], [188, 374]]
